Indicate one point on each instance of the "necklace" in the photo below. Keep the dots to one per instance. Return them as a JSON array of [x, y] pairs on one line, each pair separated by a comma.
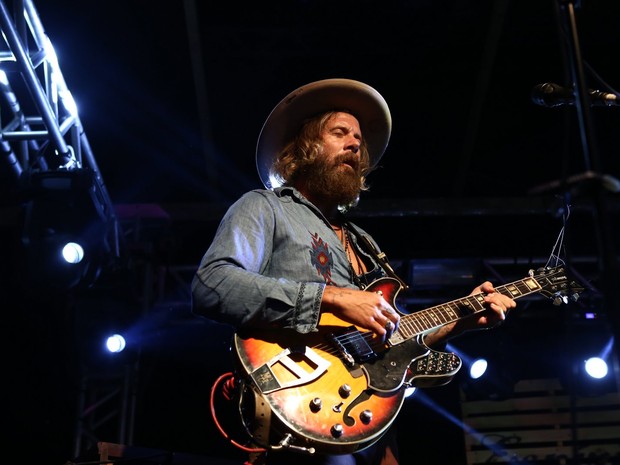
[[347, 251]]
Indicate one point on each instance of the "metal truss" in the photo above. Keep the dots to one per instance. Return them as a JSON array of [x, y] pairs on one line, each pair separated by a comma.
[[43, 144], [106, 406], [44, 151]]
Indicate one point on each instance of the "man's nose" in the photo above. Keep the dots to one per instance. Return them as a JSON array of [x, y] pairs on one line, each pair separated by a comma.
[[354, 145]]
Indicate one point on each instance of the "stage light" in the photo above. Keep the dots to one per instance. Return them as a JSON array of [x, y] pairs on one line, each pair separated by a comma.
[[487, 375], [591, 377], [115, 343], [73, 252], [596, 367], [48, 263], [593, 364], [478, 368], [66, 230]]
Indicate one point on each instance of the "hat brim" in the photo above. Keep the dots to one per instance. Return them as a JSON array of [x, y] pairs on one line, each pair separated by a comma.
[[361, 100]]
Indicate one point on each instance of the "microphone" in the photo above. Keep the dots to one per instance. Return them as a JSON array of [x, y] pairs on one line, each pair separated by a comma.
[[552, 95]]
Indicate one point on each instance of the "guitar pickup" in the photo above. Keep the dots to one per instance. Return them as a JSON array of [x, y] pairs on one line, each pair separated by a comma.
[[353, 346], [305, 367]]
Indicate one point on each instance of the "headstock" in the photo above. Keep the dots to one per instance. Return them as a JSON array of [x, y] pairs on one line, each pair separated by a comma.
[[557, 285]]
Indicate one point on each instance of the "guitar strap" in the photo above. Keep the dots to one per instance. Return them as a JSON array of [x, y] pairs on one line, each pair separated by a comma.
[[261, 426], [379, 256]]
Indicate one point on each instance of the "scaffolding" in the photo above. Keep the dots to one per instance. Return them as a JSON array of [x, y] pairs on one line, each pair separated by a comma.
[[44, 149]]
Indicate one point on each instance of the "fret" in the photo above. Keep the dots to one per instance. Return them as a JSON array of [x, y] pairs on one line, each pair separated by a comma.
[[524, 288], [406, 326], [473, 303], [453, 311], [520, 288], [442, 314], [532, 284], [422, 321], [434, 317], [510, 290], [513, 290], [418, 324]]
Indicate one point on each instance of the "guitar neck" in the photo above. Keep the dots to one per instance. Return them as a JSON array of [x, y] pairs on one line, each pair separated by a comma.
[[440, 315]]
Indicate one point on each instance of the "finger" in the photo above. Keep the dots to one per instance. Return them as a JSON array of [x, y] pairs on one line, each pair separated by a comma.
[[392, 326], [496, 300], [387, 308], [388, 312], [500, 309], [487, 287], [383, 327], [388, 328], [391, 315], [378, 326]]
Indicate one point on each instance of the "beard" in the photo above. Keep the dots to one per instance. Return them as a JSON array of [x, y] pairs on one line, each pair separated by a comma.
[[329, 180]]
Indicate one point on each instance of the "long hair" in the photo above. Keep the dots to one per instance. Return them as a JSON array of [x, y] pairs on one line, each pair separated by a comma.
[[305, 147]]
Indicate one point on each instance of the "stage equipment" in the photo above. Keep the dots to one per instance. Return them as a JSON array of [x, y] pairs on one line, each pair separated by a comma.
[[51, 173]]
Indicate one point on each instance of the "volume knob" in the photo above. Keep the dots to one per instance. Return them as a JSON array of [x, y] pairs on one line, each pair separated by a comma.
[[337, 430], [366, 416], [344, 391], [316, 404]]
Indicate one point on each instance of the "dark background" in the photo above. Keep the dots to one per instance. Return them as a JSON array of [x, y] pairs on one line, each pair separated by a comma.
[[457, 76], [172, 96]]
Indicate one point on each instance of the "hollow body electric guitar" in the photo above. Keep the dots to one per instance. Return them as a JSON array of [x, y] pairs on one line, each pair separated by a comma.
[[337, 390]]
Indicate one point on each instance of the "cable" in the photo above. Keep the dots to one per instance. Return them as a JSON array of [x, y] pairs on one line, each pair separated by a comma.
[[558, 247], [228, 391]]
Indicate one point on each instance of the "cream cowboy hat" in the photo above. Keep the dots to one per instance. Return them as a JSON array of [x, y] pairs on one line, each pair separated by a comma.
[[361, 100]]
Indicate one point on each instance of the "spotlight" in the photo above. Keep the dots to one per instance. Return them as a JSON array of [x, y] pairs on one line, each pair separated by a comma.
[[590, 370], [73, 252], [115, 343], [487, 378], [66, 227], [590, 377], [478, 368], [52, 262], [596, 367]]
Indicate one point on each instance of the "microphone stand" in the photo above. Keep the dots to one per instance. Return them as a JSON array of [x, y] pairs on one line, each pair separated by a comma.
[[582, 104], [608, 261]]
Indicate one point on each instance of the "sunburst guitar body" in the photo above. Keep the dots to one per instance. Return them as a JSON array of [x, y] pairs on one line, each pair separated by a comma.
[[337, 390]]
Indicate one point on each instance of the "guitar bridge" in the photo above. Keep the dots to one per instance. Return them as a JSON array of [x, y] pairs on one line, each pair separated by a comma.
[[267, 381]]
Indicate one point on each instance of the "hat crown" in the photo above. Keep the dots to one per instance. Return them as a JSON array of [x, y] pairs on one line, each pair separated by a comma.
[[287, 117]]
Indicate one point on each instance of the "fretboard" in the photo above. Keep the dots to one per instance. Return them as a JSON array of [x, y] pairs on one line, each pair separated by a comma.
[[424, 320]]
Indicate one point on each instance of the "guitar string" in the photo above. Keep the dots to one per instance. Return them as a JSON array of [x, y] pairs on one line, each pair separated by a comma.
[[422, 317], [412, 324], [515, 289]]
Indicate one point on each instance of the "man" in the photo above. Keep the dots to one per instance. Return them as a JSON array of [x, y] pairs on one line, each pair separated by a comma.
[[285, 257]]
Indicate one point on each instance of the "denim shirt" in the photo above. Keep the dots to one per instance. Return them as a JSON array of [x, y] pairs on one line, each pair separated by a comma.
[[272, 256]]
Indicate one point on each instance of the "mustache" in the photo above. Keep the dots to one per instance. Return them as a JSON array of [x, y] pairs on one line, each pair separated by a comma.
[[349, 158]]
